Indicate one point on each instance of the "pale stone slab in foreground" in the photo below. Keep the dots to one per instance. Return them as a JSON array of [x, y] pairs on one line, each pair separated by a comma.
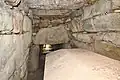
[[79, 64]]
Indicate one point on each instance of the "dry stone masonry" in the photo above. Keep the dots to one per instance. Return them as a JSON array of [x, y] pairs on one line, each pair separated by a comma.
[[26, 24], [99, 29], [15, 38], [93, 23]]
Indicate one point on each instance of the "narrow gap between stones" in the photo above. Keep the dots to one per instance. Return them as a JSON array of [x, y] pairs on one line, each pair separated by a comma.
[[39, 73]]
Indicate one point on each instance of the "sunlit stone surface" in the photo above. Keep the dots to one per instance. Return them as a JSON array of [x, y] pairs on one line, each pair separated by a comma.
[[79, 64]]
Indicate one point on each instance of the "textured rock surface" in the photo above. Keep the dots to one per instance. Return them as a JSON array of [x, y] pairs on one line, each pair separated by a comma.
[[97, 28], [115, 4], [109, 22], [33, 63], [90, 24], [112, 37], [12, 2], [56, 4], [75, 25], [54, 35], [76, 64], [94, 20], [84, 45], [88, 38], [107, 49], [100, 7], [6, 17], [14, 48]]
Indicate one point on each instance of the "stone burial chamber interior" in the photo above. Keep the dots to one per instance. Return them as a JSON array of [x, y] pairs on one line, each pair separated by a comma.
[[86, 32]]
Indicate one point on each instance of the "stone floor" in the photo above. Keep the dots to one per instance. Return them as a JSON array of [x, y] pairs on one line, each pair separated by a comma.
[[79, 64]]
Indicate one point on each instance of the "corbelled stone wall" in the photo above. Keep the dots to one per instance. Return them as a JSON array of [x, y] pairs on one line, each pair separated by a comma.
[[94, 26], [15, 38], [98, 28]]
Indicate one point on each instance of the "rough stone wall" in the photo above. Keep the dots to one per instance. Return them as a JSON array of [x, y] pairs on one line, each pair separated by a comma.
[[98, 28], [88, 24], [95, 23], [50, 30], [56, 4], [15, 38]]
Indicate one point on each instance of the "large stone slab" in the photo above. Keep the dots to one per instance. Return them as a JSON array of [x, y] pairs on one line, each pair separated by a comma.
[[5, 20], [82, 44], [11, 21], [55, 4], [14, 50], [112, 37], [100, 7], [53, 35], [76, 64], [115, 4], [27, 24], [13, 54], [82, 37], [109, 22]]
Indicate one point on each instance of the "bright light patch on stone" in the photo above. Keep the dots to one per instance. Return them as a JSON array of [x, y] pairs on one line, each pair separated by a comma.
[[47, 47], [117, 11]]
